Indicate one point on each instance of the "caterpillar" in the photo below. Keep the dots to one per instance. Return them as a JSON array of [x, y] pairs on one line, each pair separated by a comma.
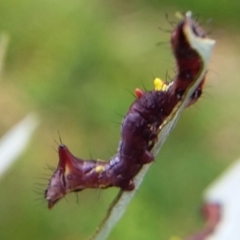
[[139, 127]]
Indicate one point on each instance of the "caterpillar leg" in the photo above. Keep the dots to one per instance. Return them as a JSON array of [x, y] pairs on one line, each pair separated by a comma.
[[147, 157], [127, 186]]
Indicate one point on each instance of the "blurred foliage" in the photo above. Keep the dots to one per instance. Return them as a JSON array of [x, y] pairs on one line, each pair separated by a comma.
[[77, 63]]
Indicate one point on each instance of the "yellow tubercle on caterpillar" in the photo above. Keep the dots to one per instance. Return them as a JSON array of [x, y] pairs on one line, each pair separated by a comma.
[[99, 169], [159, 85]]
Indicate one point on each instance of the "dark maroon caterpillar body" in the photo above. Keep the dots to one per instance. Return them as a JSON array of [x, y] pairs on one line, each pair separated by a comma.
[[138, 135], [139, 129], [141, 123]]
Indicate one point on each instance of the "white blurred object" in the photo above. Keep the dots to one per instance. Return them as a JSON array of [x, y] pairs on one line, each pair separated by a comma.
[[226, 192], [14, 141]]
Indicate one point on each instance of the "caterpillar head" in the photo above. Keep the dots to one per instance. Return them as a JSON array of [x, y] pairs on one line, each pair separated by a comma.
[[179, 36]]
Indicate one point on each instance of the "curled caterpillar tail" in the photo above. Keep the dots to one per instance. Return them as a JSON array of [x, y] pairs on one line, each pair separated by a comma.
[[75, 174], [72, 175]]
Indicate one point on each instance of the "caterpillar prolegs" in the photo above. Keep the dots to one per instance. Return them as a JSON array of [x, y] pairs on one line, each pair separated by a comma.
[[139, 127]]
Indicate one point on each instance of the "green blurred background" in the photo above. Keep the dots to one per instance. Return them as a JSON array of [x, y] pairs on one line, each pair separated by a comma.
[[76, 64]]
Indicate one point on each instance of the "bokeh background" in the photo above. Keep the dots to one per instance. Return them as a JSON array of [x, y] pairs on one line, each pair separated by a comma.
[[76, 64]]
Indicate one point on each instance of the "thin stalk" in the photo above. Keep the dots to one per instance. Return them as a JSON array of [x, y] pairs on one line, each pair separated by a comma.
[[204, 49]]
